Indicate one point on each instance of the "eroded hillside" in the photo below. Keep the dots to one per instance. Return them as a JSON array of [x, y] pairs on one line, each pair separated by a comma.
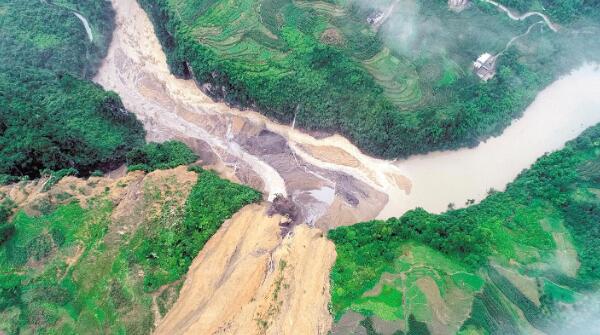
[[249, 279], [106, 253], [163, 251], [393, 76]]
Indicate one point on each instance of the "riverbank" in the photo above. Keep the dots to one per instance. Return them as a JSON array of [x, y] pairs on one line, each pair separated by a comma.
[[280, 159], [276, 158]]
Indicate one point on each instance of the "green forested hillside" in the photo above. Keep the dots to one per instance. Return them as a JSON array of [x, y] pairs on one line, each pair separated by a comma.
[[86, 259], [54, 121], [165, 155], [563, 11], [51, 116], [396, 88], [101, 255], [536, 246], [108, 255], [47, 34]]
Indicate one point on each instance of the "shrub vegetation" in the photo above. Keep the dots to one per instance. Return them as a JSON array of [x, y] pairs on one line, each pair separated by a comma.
[[165, 155], [70, 271], [560, 190], [390, 91]]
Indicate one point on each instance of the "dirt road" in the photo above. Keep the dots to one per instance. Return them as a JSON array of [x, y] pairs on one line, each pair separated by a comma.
[[524, 16]]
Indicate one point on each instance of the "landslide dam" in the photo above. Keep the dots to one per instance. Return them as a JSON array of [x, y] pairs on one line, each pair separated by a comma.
[[330, 174], [330, 180]]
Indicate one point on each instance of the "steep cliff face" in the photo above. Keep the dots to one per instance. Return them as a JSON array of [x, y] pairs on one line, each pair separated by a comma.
[[250, 280], [247, 279]]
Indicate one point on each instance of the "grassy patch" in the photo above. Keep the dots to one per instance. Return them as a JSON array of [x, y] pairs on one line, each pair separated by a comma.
[[387, 305]]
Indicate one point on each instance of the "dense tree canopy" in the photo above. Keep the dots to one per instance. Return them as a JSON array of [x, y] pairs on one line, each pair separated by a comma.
[[165, 155], [47, 34], [560, 187], [53, 121], [390, 99], [50, 116]]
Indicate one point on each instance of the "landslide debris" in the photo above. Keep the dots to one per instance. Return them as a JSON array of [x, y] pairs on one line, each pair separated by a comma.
[[250, 280]]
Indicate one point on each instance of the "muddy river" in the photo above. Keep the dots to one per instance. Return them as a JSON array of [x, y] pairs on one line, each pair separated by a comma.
[[331, 180]]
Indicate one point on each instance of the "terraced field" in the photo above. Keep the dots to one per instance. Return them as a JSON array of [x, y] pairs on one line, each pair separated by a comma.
[[425, 284], [394, 76], [520, 262], [261, 37], [397, 77]]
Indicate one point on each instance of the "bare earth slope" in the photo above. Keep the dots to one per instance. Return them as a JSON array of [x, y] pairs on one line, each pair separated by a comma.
[[277, 158], [126, 191], [250, 280]]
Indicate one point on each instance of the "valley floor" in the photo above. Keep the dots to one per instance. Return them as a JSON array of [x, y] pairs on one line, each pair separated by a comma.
[[333, 183]]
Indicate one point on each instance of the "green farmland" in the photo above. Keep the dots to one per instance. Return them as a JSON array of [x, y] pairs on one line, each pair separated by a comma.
[[395, 87], [517, 260]]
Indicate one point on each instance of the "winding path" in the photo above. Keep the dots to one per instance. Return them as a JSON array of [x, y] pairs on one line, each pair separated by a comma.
[[510, 14], [84, 21], [86, 25], [512, 40]]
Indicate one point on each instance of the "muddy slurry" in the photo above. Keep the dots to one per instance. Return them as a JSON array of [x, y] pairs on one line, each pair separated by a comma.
[[241, 145], [559, 114], [251, 278], [247, 147]]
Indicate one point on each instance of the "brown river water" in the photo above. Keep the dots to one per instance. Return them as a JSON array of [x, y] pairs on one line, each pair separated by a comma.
[[238, 277], [332, 181]]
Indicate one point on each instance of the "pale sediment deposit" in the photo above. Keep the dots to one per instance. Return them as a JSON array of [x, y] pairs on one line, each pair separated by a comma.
[[249, 279], [242, 145], [280, 159]]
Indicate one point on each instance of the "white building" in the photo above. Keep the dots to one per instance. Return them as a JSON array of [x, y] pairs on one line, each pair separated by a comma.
[[458, 5], [375, 17], [485, 66]]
